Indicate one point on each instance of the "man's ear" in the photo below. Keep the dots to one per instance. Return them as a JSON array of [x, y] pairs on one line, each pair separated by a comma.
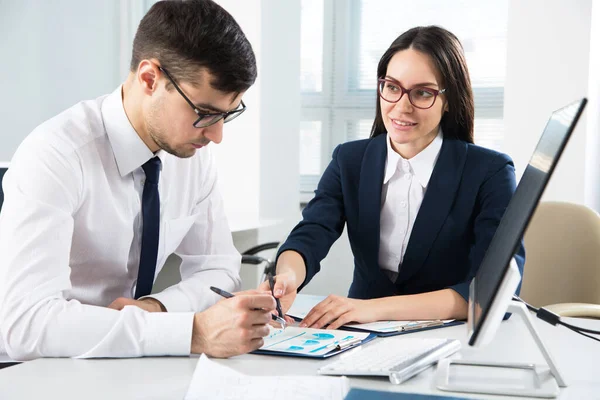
[[147, 76]]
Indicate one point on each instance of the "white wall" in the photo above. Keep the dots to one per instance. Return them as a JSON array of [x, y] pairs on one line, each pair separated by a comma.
[[548, 48], [238, 156], [54, 54], [280, 114], [258, 159]]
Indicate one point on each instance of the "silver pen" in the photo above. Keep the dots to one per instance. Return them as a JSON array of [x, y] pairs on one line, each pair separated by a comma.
[[421, 325]]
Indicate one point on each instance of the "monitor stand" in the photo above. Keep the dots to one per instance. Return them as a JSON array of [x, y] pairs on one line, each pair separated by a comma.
[[500, 378]]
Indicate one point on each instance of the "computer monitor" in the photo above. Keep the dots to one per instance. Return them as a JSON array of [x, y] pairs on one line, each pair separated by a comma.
[[495, 282], [492, 289], [3, 168]]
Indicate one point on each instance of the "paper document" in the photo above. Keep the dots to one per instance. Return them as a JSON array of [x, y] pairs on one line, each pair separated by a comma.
[[310, 341], [212, 380], [304, 303]]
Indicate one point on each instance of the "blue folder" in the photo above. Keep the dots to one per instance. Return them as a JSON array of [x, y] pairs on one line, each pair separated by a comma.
[[364, 394]]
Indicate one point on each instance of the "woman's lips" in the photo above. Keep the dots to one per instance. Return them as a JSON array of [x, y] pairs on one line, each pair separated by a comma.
[[403, 125]]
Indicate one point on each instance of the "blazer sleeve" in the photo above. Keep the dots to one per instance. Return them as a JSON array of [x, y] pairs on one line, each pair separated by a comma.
[[322, 223], [493, 198]]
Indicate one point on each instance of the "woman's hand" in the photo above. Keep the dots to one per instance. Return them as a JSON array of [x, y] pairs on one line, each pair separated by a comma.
[[337, 311], [285, 290], [291, 272]]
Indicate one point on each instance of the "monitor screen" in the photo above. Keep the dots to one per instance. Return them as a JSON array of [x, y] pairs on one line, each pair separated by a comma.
[[489, 297]]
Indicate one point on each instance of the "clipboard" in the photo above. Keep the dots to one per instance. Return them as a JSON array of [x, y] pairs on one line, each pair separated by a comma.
[[330, 347], [410, 327], [304, 303], [419, 326]]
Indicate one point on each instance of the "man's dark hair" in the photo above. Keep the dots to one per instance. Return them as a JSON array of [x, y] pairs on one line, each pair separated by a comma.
[[446, 53], [186, 36]]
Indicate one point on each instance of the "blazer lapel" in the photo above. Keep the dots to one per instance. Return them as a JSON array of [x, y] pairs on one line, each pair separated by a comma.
[[436, 205], [369, 200]]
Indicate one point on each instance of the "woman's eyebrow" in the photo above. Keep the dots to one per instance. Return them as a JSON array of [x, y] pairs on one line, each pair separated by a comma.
[[418, 84]]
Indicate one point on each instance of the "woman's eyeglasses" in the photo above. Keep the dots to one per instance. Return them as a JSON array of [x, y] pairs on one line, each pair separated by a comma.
[[421, 97]]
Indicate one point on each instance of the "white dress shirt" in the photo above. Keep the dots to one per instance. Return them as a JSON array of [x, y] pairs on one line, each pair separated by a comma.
[[404, 185], [70, 240]]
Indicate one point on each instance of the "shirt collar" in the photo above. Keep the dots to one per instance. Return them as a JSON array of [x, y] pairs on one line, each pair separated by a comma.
[[129, 149], [392, 161], [422, 164]]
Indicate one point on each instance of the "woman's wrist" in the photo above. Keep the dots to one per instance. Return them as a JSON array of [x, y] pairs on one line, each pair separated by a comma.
[[291, 263], [379, 308]]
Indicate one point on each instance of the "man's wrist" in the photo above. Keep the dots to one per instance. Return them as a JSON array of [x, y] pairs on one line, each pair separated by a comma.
[[159, 307], [198, 341]]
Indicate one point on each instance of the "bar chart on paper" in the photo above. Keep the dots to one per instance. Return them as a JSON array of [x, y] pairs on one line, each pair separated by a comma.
[[311, 342]]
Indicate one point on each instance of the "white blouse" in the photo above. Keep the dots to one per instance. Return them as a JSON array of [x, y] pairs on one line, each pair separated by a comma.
[[404, 186]]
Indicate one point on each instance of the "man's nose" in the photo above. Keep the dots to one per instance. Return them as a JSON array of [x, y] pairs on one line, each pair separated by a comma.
[[214, 133]]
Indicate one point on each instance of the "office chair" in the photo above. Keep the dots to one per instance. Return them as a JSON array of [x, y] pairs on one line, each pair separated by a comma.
[[562, 263], [250, 257]]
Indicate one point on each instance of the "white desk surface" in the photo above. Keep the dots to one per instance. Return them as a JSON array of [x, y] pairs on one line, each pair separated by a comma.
[[169, 377]]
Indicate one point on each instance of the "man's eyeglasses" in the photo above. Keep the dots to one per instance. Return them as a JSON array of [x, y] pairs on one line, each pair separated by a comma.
[[206, 119], [391, 91]]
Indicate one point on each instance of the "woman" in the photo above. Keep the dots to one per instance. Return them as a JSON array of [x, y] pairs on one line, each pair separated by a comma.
[[420, 201]]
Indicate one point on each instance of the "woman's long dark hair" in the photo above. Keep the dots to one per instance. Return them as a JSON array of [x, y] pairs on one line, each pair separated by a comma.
[[447, 55]]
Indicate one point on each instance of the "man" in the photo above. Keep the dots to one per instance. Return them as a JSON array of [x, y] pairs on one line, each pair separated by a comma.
[[97, 197]]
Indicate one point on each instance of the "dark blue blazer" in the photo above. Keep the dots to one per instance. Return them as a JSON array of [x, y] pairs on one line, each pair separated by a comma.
[[467, 194]]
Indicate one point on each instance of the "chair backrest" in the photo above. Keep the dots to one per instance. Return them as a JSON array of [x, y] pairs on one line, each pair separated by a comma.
[[562, 248]]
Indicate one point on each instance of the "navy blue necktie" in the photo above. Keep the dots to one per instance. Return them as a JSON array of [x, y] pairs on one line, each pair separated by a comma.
[[151, 228]]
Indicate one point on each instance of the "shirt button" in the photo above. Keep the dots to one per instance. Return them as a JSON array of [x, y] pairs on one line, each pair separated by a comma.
[[407, 177], [403, 204], [405, 164]]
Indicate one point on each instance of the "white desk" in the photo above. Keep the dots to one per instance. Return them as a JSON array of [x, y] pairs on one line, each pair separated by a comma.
[[168, 378]]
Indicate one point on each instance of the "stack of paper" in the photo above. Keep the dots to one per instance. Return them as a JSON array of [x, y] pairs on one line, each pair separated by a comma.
[[211, 381]]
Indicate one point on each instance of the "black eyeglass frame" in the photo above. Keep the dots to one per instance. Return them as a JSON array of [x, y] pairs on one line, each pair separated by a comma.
[[216, 117]]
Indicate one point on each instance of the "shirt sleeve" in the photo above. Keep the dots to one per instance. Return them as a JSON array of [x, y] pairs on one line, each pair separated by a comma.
[[42, 192], [208, 256]]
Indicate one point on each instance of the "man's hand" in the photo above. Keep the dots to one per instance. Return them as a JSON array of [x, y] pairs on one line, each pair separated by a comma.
[[337, 311], [233, 326], [148, 303]]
